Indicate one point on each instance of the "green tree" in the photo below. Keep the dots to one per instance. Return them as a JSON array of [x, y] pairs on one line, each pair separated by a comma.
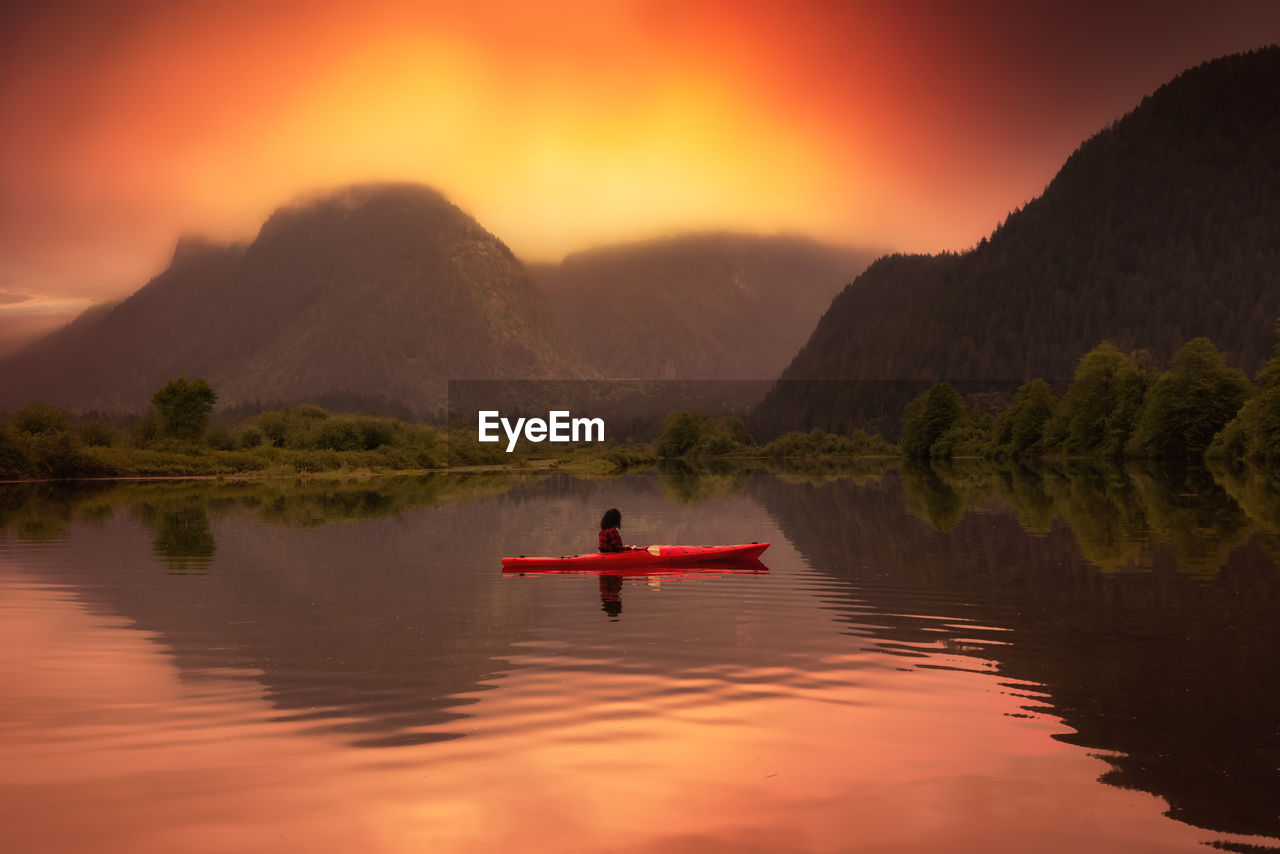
[[721, 436], [13, 452], [691, 434], [929, 416], [1189, 404], [679, 434], [1101, 407], [1269, 373], [1021, 427], [182, 408], [40, 419], [1254, 433]]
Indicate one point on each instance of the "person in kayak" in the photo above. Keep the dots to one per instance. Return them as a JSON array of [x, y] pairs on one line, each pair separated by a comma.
[[610, 539]]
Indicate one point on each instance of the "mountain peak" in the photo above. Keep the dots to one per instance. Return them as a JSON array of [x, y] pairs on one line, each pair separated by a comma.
[[194, 249], [397, 210], [356, 198], [381, 290]]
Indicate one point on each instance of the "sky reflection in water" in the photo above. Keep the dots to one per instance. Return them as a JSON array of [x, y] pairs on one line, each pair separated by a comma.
[[941, 659]]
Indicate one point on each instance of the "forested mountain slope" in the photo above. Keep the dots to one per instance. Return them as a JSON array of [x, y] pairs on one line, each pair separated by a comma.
[[1163, 227]]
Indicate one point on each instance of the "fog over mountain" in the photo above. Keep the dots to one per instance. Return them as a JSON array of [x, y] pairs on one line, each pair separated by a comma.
[[375, 296], [697, 306], [376, 293]]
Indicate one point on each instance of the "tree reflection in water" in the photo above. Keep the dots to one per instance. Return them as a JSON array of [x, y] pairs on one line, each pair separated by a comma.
[[1144, 601]]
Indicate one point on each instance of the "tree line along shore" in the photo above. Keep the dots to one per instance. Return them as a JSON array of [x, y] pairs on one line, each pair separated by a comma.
[[1117, 406]]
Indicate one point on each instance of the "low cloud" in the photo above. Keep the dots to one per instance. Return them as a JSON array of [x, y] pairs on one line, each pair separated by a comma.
[[20, 329], [14, 304]]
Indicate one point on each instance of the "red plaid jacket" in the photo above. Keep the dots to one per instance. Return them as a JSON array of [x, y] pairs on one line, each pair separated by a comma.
[[611, 540]]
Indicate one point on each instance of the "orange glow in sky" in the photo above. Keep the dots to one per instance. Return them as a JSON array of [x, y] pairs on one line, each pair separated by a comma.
[[559, 125]]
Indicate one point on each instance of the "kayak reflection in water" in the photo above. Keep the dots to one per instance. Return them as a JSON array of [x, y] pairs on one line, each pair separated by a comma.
[[611, 594], [610, 540]]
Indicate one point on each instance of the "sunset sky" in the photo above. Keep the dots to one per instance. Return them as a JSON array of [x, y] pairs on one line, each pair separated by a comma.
[[913, 126]]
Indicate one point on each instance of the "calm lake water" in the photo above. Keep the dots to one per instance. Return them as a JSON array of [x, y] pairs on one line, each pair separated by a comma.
[[937, 660]]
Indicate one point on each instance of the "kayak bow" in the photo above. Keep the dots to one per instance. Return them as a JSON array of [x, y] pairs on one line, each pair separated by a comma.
[[651, 556]]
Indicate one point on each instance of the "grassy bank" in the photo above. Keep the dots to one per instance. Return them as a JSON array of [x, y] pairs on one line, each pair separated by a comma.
[[44, 442], [40, 442]]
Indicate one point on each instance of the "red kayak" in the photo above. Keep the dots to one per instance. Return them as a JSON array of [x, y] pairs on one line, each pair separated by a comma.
[[652, 556], [648, 570]]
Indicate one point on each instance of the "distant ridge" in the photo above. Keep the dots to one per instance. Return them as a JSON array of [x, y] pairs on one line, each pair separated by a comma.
[[697, 306], [377, 292], [1162, 227]]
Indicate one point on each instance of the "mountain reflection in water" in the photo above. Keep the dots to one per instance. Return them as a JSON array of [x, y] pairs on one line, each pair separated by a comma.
[[1136, 607]]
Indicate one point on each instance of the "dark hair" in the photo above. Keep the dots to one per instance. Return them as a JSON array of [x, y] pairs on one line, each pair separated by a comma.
[[612, 518]]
